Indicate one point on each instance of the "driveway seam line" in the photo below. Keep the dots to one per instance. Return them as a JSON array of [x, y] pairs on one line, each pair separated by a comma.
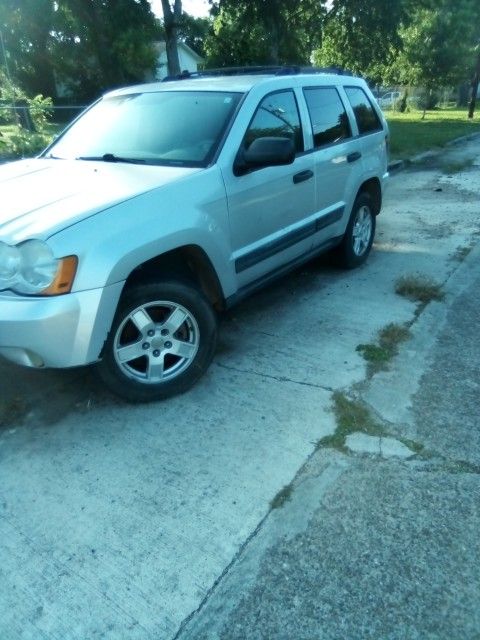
[[277, 378]]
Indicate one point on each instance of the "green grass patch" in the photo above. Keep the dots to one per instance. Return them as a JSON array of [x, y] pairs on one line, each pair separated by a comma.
[[379, 355], [410, 135], [351, 417], [419, 288]]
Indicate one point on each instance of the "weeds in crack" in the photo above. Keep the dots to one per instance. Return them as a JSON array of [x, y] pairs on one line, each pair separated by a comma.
[[351, 417], [419, 288], [379, 355], [282, 496]]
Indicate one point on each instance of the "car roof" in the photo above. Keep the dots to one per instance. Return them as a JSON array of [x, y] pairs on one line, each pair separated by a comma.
[[240, 83]]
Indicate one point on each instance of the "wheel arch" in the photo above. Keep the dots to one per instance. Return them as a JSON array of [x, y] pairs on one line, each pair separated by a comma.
[[189, 263], [373, 188]]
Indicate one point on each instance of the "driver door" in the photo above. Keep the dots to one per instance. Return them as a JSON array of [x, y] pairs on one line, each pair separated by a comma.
[[270, 207]]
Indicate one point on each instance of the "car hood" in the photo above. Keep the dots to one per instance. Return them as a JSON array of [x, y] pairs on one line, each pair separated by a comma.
[[39, 197]]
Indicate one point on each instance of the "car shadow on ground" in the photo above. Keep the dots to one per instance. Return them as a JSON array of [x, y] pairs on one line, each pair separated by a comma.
[[44, 397]]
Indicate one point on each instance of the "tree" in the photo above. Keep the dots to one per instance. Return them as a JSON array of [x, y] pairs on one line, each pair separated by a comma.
[[84, 45], [194, 32], [434, 48], [112, 38], [171, 22], [264, 31], [26, 26], [361, 35]]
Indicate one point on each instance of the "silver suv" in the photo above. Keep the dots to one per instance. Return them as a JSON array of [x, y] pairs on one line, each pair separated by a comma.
[[165, 203]]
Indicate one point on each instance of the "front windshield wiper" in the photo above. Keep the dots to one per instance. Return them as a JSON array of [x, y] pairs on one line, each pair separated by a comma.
[[111, 157]]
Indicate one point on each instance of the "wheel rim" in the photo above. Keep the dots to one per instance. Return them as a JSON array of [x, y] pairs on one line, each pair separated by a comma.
[[362, 230], [156, 342]]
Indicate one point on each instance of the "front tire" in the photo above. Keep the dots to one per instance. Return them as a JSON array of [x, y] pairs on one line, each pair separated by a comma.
[[360, 232], [162, 340]]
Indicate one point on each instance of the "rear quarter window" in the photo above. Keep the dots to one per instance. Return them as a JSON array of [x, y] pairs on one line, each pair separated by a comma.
[[365, 114]]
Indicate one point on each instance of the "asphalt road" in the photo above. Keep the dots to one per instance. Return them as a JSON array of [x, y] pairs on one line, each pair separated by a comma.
[[149, 522]]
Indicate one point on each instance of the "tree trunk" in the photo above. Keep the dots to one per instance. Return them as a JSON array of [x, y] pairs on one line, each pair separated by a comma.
[[474, 85], [402, 107], [171, 20], [463, 93]]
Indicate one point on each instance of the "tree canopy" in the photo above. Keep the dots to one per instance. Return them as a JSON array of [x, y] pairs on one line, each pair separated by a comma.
[[85, 46], [264, 31]]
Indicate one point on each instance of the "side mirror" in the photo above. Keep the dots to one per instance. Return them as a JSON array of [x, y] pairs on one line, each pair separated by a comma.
[[265, 152]]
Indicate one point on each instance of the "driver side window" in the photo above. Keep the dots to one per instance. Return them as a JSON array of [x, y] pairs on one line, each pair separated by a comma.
[[277, 116]]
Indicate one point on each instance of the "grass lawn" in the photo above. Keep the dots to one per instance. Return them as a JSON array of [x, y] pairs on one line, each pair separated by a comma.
[[411, 135]]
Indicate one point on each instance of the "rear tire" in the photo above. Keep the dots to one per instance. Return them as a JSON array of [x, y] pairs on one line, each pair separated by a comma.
[[359, 234], [162, 340]]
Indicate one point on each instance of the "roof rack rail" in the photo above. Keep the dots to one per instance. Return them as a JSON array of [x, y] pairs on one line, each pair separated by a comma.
[[276, 70]]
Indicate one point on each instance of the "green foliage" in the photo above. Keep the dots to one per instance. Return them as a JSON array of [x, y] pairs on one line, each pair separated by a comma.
[[10, 94], [361, 35], [16, 141], [194, 32], [425, 43], [264, 32], [85, 46], [20, 143], [435, 48]]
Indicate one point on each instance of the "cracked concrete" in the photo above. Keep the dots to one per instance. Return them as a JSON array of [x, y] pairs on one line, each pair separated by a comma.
[[384, 447], [156, 522]]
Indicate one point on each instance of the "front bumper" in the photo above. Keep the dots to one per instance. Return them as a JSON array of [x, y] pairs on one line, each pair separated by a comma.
[[60, 331]]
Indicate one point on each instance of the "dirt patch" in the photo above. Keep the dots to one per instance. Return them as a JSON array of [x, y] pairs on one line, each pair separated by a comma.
[[13, 412]]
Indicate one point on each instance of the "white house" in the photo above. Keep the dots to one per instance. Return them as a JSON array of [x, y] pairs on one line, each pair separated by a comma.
[[189, 60]]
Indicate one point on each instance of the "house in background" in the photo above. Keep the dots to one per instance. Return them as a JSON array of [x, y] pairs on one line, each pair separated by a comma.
[[189, 60]]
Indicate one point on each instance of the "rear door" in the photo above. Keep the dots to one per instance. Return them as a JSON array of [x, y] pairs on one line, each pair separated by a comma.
[[336, 156]]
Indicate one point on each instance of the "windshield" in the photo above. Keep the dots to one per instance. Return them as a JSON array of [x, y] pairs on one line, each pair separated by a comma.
[[178, 128]]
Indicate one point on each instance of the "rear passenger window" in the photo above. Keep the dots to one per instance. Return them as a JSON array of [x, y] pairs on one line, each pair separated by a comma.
[[367, 118], [277, 116], [327, 115]]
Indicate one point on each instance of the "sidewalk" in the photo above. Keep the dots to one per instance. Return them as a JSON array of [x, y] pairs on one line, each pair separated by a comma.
[[367, 547]]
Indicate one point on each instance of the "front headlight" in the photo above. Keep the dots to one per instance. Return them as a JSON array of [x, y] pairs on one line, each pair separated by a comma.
[[31, 268], [9, 263]]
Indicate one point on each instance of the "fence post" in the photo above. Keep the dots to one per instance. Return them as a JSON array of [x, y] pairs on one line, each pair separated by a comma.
[[24, 116]]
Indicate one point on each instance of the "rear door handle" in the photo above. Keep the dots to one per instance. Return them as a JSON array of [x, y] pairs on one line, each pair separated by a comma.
[[302, 176], [352, 157]]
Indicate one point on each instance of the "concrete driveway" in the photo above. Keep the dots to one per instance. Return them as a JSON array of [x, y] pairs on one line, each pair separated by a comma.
[[119, 521]]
